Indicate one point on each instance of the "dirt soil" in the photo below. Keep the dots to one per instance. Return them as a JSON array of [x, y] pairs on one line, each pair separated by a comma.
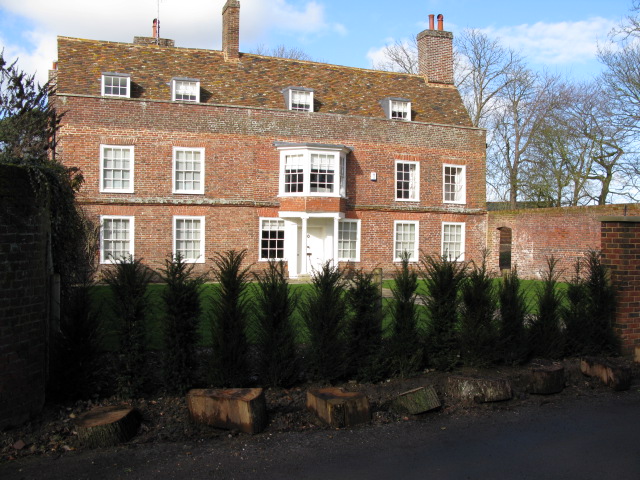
[[165, 418]]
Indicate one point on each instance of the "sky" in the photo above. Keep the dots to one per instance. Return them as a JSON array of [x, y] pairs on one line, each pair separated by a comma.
[[561, 36]]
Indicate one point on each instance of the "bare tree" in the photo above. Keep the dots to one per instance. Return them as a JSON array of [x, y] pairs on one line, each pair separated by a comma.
[[282, 51], [400, 56]]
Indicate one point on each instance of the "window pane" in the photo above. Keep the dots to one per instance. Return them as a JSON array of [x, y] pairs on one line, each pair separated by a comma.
[[186, 90], [322, 173], [399, 110], [116, 239], [301, 100], [294, 174], [116, 168], [347, 240], [406, 181], [188, 171], [405, 239], [188, 241], [453, 184], [452, 241]]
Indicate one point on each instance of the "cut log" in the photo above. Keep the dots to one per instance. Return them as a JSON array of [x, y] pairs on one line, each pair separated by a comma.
[[416, 401], [107, 426], [545, 377], [479, 390], [241, 409], [609, 371], [338, 407]]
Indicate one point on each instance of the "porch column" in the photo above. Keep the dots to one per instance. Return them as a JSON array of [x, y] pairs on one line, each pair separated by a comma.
[[304, 249]]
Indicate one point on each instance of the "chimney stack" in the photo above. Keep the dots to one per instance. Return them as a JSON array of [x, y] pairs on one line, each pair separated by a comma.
[[156, 28], [231, 30], [435, 53]]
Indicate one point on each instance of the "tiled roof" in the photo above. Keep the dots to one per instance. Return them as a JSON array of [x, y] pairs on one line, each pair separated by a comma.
[[253, 81]]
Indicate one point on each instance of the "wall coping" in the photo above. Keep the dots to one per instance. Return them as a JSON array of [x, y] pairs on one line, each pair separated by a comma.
[[619, 219]]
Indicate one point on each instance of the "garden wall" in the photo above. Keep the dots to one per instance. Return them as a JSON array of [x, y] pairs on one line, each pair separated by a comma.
[[24, 298], [525, 238]]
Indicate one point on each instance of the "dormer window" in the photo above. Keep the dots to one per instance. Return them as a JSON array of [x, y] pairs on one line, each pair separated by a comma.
[[116, 85], [397, 108], [185, 89], [298, 98]]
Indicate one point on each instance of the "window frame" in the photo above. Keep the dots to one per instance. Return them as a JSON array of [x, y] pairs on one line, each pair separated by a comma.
[[289, 97], [388, 104], [415, 255], [306, 154], [174, 170], [131, 149], [174, 82], [462, 226], [415, 180], [115, 75], [461, 193], [356, 257], [104, 260], [201, 219], [282, 229]]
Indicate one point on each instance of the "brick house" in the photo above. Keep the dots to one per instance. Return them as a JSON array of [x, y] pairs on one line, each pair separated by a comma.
[[196, 151]]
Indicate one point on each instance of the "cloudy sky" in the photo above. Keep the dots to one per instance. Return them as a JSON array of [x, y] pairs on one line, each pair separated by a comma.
[[560, 35]]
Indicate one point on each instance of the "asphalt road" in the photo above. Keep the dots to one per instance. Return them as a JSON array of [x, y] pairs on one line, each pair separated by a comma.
[[586, 438]]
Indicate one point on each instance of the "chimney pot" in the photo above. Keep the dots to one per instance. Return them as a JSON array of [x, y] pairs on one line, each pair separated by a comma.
[[431, 21], [440, 22], [156, 24]]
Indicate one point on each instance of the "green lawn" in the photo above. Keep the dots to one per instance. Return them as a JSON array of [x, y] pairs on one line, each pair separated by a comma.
[[102, 298]]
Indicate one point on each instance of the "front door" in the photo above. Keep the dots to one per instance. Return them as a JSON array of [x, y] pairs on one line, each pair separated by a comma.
[[315, 248]]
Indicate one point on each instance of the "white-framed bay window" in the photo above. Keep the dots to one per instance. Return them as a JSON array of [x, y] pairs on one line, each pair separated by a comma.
[[312, 169], [185, 89], [349, 240], [407, 181], [188, 238], [454, 183], [405, 239], [188, 170], [271, 239], [116, 238], [453, 234], [116, 168]]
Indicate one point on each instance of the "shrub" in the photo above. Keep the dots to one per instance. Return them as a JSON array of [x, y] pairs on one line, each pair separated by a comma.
[[128, 280], [364, 344], [443, 278], [181, 320], [229, 315], [277, 359], [324, 311], [406, 352], [513, 311], [477, 329], [589, 316], [545, 332]]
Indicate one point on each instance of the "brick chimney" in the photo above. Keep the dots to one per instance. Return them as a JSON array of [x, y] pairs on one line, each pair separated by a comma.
[[231, 30], [435, 53]]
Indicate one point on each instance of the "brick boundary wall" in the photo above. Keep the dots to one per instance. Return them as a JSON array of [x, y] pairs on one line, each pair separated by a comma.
[[621, 254], [24, 300], [566, 233]]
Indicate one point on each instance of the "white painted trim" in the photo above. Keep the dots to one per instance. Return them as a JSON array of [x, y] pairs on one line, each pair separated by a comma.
[[173, 170], [131, 219]]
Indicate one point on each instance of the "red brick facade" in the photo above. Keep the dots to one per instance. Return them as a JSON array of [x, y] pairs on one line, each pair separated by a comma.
[[566, 233], [621, 254], [242, 123]]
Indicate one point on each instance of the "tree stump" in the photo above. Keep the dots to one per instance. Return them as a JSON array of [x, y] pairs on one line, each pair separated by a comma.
[[609, 371], [479, 390], [107, 426], [545, 377], [241, 409], [418, 400], [337, 407]]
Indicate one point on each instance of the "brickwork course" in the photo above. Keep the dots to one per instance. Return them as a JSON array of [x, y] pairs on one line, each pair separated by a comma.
[[24, 301], [241, 121]]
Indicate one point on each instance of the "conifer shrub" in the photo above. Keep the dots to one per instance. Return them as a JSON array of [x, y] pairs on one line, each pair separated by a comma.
[[275, 335], [443, 278], [478, 334], [366, 360], [545, 332], [182, 314], [513, 312], [128, 280], [405, 348], [324, 312], [229, 316], [590, 314]]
